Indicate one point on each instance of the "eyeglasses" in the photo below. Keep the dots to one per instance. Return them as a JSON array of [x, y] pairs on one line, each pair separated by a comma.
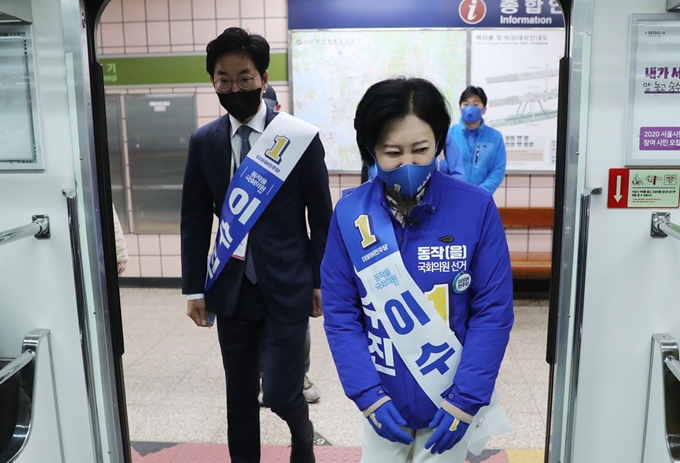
[[224, 85]]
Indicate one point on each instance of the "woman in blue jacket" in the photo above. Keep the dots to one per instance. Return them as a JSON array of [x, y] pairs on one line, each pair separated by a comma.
[[480, 147], [416, 287]]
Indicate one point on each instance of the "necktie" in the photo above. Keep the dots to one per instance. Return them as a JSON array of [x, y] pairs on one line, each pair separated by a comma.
[[244, 133]]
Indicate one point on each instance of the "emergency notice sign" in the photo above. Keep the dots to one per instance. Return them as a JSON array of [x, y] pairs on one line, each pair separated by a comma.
[[630, 188]]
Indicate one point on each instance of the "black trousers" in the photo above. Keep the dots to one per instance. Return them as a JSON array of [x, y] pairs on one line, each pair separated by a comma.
[[247, 339]]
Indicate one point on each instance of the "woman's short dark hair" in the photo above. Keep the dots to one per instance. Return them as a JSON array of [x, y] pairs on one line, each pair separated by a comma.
[[473, 91], [237, 40], [395, 99]]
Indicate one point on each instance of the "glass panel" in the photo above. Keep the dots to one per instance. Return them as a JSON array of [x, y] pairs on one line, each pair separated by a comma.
[[158, 131], [16, 123], [116, 160]]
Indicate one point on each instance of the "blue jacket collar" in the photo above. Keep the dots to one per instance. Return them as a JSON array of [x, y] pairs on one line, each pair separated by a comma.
[[478, 132]]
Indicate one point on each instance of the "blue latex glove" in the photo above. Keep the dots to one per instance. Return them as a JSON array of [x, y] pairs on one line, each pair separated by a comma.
[[449, 432], [386, 420]]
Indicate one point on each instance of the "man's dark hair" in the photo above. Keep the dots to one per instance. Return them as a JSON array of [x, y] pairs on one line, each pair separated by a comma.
[[473, 91], [237, 40], [395, 99]]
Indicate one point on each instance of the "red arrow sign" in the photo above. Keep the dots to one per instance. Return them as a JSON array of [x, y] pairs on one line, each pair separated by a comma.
[[617, 195]]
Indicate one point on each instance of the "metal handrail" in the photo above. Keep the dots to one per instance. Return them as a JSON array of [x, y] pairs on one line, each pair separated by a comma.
[[670, 229], [673, 366], [663, 227], [661, 441], [24, 366], [39, 228], [16, 365]]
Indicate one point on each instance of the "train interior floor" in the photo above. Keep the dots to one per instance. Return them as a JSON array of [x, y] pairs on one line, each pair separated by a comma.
[[175, 390]]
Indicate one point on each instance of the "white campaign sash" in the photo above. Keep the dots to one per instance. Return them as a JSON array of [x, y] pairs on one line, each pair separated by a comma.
[[255, 183], [418, 332]]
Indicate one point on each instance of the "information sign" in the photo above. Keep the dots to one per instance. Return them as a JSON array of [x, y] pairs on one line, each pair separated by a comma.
[[639, 188]]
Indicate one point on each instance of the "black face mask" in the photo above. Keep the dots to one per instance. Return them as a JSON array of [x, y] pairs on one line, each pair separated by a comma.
[[243, 104]]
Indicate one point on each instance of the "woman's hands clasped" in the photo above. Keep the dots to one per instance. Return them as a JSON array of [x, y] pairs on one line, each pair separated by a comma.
[[386, 421], [449, 431]]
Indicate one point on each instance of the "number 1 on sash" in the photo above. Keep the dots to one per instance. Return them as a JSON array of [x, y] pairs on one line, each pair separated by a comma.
[[439, 296], [281, 143], [364, 226]]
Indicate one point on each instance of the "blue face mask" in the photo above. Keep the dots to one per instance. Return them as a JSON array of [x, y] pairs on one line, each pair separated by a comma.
[[471, 114], [408, 179]]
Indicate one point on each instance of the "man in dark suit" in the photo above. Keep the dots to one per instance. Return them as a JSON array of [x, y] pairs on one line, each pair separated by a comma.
[[264, 296]]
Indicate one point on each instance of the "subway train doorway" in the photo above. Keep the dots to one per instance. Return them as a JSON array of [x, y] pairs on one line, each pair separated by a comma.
[[141, 71], [147, 375], [114, 132], [169, 363]]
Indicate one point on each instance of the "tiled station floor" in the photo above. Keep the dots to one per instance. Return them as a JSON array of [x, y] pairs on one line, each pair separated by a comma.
[[175, 389]]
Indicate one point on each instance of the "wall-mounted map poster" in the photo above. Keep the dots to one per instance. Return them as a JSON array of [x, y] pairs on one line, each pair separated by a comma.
[[519, 72], [331, 71]]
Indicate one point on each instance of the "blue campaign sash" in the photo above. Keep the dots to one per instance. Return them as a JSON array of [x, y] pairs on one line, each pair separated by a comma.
[[423, 339], [255, 183]]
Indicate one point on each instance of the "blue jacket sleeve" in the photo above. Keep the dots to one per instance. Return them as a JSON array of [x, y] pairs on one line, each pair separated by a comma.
[[490, 320], [454, 160], [497, 172], [344, 323]]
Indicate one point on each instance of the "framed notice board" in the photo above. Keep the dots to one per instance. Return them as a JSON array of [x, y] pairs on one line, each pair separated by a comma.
[[653, 124]]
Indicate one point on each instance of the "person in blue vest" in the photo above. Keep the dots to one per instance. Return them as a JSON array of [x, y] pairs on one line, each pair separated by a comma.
[[480, 147], [417, 287]]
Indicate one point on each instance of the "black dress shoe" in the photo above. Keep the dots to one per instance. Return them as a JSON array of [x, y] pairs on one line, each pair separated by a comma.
[[302, 449]]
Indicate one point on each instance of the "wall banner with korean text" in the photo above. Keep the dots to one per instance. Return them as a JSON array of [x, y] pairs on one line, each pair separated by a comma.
[[518, 70], [653, 128]]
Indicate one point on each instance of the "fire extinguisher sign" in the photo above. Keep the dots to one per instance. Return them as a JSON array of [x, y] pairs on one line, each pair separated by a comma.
[[639, 188]]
